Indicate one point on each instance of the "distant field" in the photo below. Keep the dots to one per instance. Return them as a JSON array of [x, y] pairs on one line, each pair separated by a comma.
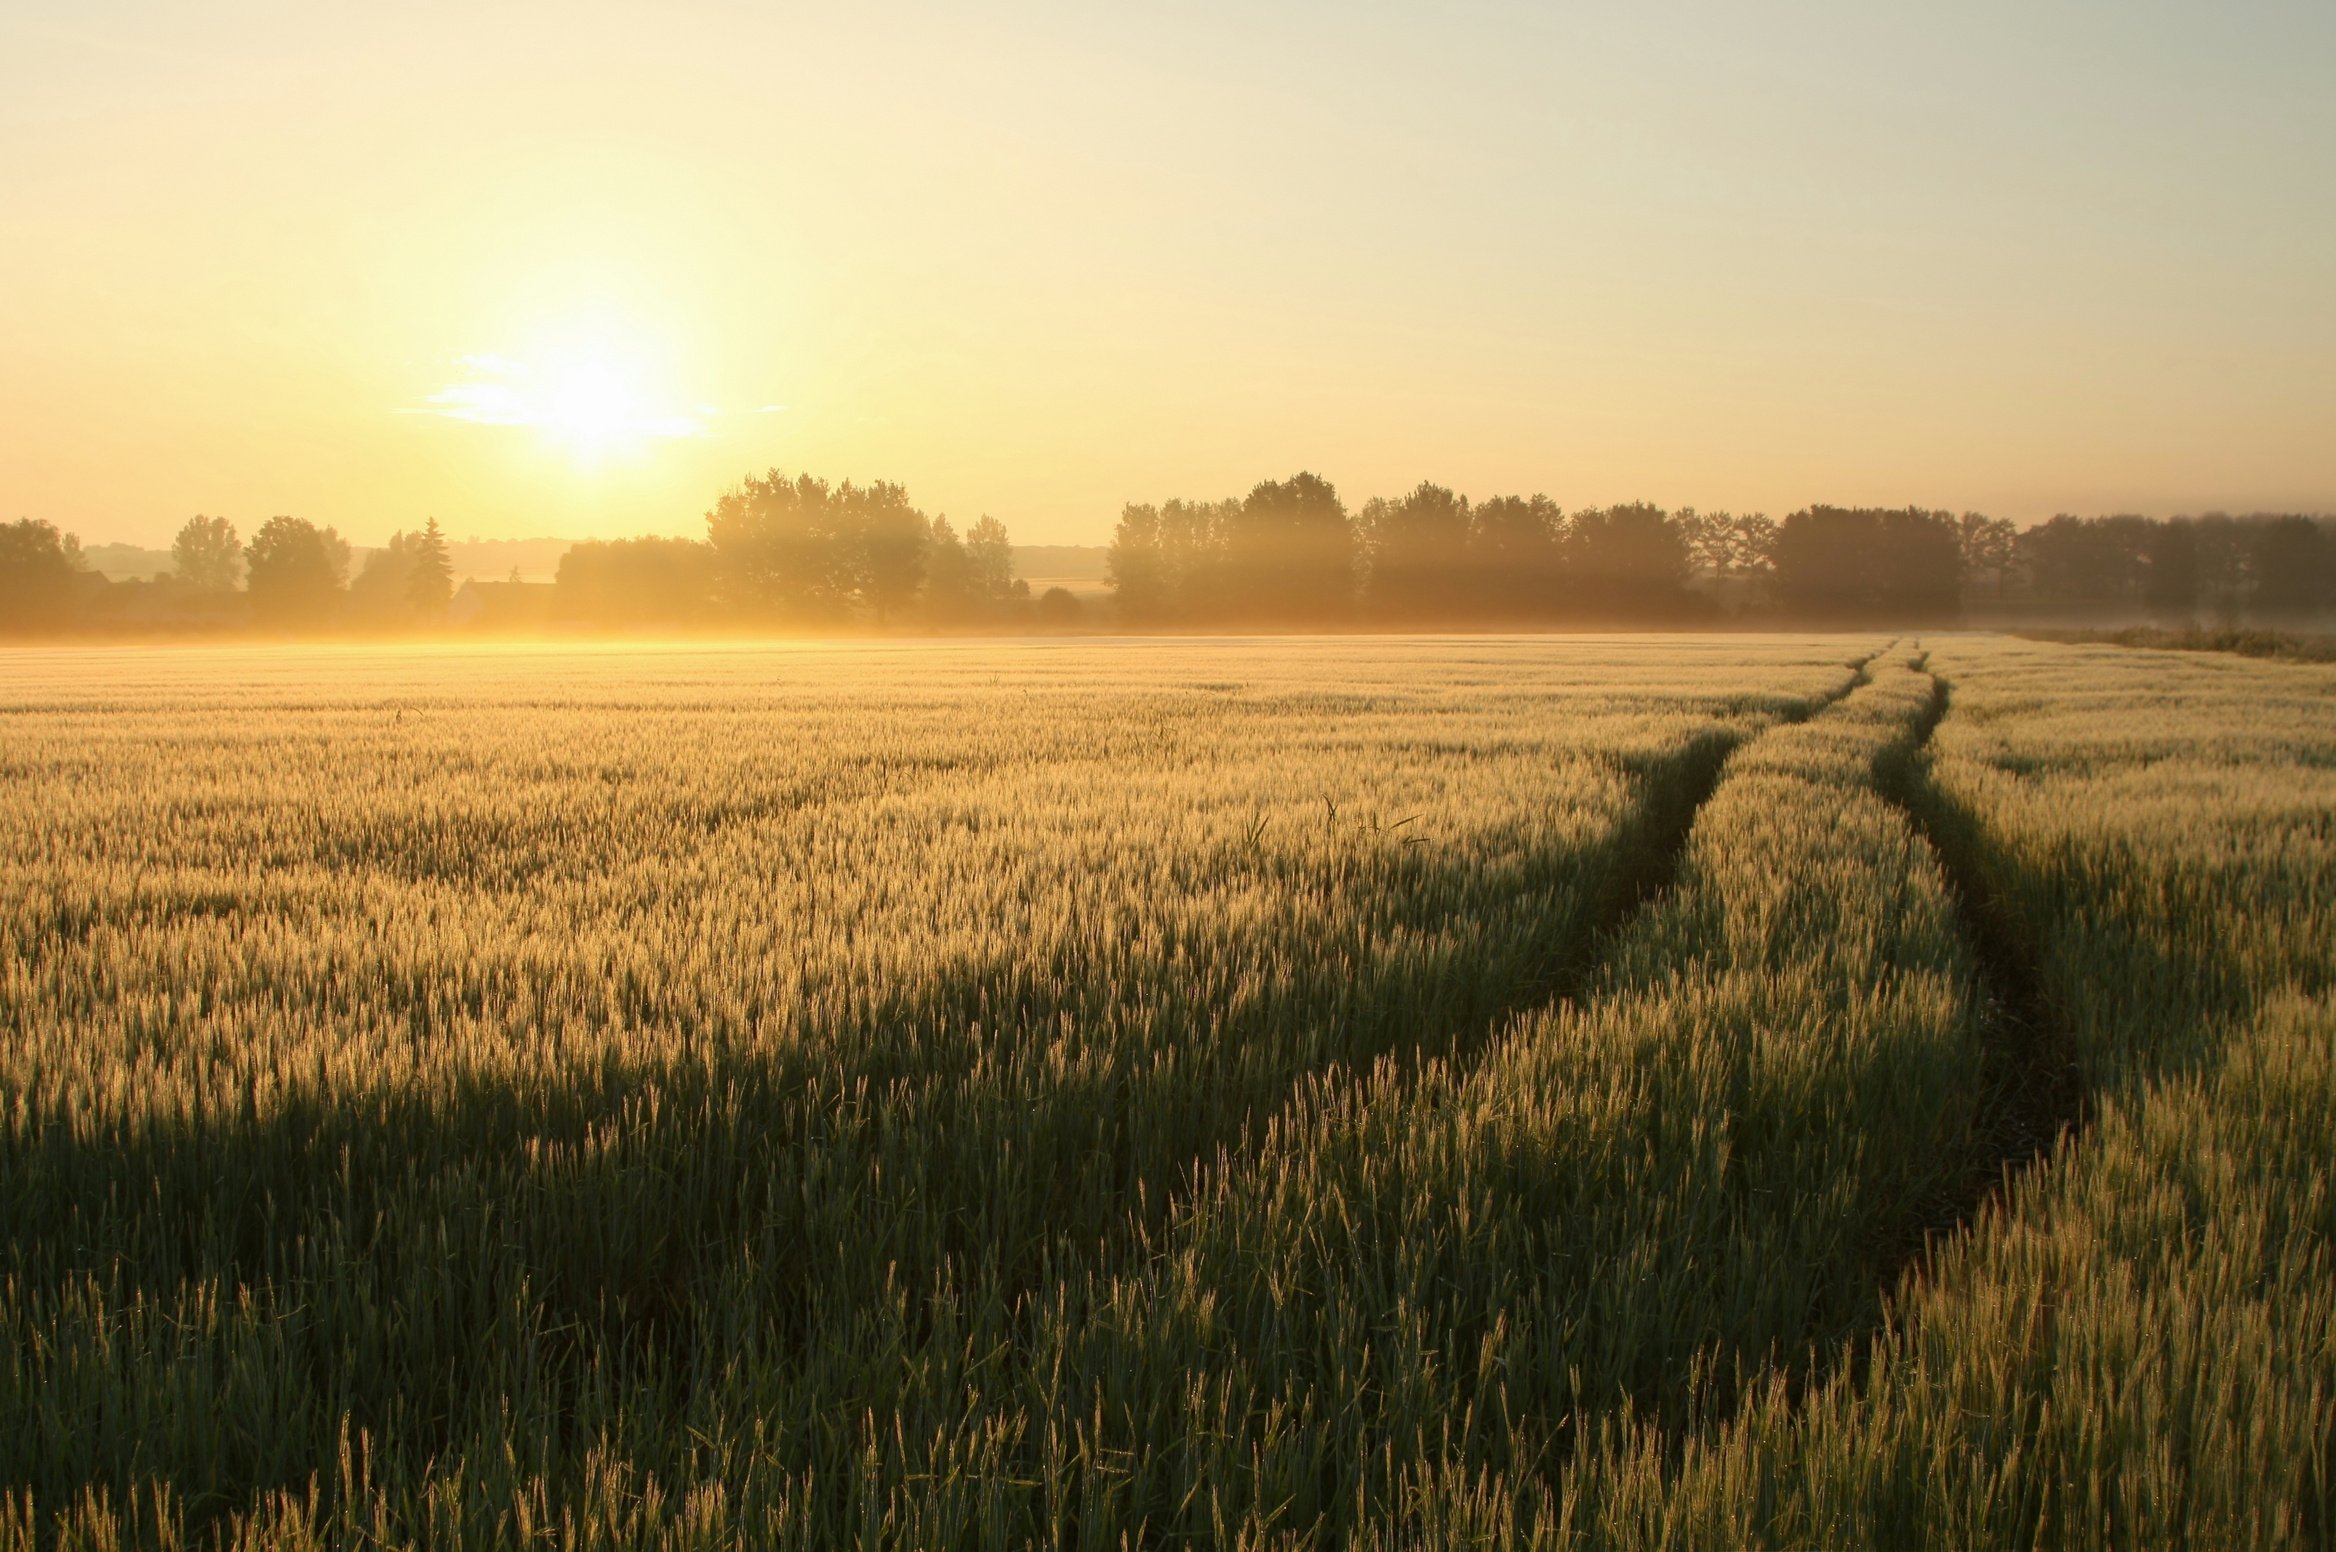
[[1826, 1091], [2247, 641]]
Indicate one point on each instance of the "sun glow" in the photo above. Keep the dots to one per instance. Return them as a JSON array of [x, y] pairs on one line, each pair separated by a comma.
[[592, 393]]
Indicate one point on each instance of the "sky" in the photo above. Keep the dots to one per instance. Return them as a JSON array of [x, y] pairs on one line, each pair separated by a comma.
[[574, 269]]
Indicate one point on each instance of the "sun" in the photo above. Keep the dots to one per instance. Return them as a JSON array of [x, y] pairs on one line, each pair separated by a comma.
[[592, 391], [593, 406]]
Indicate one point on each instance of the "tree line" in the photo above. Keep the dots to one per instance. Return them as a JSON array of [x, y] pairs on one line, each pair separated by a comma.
[[780, 552], [796, 552], [291, 574], [1290, 553]]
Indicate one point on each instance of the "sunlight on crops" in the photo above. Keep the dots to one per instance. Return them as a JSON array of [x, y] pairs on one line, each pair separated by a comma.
[[1270, 1092]]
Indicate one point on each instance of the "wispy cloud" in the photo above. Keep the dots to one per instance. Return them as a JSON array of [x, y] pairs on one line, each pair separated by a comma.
[[482, 404], [589, 403]]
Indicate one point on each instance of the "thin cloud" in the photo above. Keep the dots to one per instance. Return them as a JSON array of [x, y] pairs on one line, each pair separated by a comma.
[[583, 402]]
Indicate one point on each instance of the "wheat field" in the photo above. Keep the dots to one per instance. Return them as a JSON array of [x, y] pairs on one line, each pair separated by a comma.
[[1536, 1091]]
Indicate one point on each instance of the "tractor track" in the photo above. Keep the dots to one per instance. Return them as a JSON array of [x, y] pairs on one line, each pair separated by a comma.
[[2032, 1090]]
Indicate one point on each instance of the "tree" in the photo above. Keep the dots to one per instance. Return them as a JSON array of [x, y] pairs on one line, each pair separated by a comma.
[[1710, 538], [2288, 564], [2087, 565], [948, 575], [297, 571], [1166, 563], [1137, 567], [2171, 586], [989, 559], [887, 538], [207, 555], [1730, 554], [1838, 564], [409, 580], [1513, 556], [1059, 608], [970, 578], [1989, 547], [782, 548], [805, 551], [382, 591], [1922, 570], [1418, 555], [1289, 553], [1755, 546], [42, 575], [2222, 567], [1626, 563], [639, 584], [430, 585]]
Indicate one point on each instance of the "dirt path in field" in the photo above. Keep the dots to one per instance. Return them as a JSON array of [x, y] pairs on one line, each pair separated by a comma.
[[1651, 854], [2033, 1093], [1651, 867]]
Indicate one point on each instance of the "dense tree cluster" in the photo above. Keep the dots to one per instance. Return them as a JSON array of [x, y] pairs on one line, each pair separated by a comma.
[[44, 581], [2268, 568], [634, 584], [798, 553], [292, 575], [1433, 558], [409, 581], [1430, 557], [1838, 563]]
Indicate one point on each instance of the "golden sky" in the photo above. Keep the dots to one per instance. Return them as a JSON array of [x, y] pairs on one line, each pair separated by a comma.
[[572, 269]]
